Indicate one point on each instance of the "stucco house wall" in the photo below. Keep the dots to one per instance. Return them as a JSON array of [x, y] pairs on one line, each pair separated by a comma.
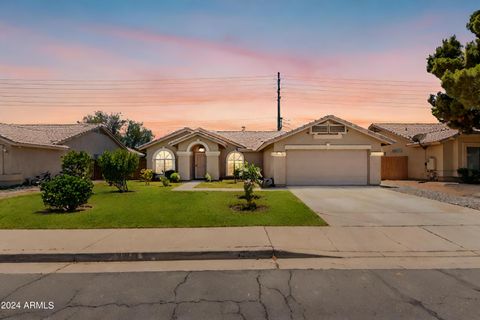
[[254, 157], [94, 143], [268, 162], [352, 137], [30, 162]]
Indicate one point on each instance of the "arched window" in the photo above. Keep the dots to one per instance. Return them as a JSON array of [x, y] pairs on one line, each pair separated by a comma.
[[164, 161], [234, 160]]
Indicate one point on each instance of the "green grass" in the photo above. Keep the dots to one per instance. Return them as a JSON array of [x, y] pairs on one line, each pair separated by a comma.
[[156, 206], [229, 184]]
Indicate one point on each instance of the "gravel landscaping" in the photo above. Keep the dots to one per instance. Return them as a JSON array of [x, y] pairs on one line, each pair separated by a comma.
[[469, 202], [15, 191]]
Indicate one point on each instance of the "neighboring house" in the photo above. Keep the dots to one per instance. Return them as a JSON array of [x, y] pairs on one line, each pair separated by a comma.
[[328, 151], [438, 154], [28, 150]]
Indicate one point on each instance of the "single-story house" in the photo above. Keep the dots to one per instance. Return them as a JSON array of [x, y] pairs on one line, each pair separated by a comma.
[[427, 150], [328, 151], [29, 150]]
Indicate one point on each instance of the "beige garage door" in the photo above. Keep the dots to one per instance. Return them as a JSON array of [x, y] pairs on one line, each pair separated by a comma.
[[327, 167]]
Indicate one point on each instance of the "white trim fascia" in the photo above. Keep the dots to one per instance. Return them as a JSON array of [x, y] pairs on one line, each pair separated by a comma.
[[328, 147], [39, 146], [377, 154], [278, 154]]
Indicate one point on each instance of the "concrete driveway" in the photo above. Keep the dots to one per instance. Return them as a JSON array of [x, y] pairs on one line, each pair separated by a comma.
[[376, 206]]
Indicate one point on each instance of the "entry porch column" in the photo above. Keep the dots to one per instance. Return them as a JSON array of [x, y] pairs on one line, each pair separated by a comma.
[[184, 167], [213, 164]]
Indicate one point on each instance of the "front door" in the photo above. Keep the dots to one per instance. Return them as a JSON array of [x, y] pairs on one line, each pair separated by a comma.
[[200, 165]]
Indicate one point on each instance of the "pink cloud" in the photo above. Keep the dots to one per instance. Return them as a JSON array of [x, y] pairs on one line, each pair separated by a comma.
[[23, 71], [301, 64]]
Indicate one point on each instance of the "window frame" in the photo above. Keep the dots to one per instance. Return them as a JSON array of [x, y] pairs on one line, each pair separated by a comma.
[[156, 160], [465, 145], [228, 174]]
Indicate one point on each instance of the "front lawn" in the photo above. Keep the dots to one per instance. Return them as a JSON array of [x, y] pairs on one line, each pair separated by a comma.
[[229, 184], [155, 206]]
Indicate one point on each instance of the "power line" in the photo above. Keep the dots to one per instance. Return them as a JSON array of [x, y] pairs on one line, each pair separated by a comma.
[[236, 78], [355, 79]]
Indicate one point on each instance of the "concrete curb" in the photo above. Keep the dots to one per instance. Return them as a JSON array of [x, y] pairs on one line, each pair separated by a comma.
[[156, 256]]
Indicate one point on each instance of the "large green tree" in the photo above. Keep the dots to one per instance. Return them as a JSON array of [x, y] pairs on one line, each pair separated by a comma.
[[112, 121], [131, 133], [458, 68], [136, 135]]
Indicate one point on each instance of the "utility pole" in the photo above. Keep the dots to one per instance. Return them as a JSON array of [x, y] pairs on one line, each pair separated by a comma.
[[279, 117]]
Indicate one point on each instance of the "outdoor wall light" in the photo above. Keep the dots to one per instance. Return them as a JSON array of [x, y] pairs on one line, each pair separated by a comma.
[[201, 149]]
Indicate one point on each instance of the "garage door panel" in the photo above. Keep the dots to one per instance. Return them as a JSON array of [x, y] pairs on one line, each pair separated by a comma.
[[327, 167]]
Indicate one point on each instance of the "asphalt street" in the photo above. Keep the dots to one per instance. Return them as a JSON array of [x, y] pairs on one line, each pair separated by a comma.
[[258, 294]]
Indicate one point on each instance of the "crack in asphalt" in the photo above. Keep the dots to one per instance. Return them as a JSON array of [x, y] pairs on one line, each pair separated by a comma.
[[265, 310], [462, 281], [41, 277], [406, 298], [284, 287]]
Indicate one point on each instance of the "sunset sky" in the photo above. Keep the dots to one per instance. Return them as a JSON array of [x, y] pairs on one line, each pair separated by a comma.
[[213, 64]]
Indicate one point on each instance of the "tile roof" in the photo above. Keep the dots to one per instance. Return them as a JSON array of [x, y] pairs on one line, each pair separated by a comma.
[[250, 139], [47, 135], [257, 140], [433, 132]]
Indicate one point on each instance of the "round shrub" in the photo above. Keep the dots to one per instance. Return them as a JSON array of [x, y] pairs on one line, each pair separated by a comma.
[[66, 192], [168, 173], [175, 177], [165, 181]]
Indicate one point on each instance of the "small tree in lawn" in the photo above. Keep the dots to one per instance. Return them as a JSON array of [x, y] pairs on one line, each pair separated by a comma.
[[117, 167], [78, 164], [146, 175], [251, 176]]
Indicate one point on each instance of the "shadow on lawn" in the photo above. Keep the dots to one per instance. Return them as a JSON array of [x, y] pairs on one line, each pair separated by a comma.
[[48, 211]]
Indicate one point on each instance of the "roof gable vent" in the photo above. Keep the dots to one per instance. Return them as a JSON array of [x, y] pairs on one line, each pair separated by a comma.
[[328, 129]]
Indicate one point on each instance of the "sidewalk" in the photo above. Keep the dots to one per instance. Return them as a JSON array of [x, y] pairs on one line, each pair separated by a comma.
[[192, 186], [242, 242]]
